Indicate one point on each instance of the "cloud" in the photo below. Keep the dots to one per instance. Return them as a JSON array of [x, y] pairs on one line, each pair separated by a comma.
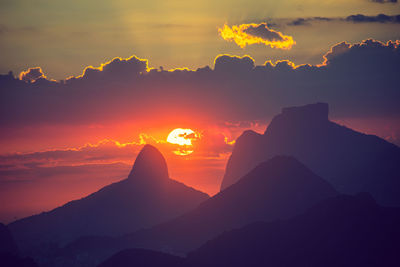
[[117, 68], [207, 142], [231, 64], [299, 21], [356, 79], [103, 152], [384, 1], [31, 75], [335, 51], [357, 18], [307, 21], [381, 18], [386, 56], [248, 34]]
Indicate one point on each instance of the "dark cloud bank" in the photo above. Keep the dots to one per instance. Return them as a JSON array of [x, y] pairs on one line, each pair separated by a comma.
[[359, 80], [358, 18], [381, 18], [384, 1]]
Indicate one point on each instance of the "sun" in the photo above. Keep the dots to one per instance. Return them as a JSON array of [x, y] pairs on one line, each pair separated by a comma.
[[183, 139]]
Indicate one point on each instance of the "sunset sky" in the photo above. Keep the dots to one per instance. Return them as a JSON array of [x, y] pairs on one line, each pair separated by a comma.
[[93, 81]]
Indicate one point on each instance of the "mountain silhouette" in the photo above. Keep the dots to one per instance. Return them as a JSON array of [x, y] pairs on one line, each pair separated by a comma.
[[150, 165], [277, 189], [351, 161], [147, 197], [9, 254], [143, 258], [7, 244], [344, 231]]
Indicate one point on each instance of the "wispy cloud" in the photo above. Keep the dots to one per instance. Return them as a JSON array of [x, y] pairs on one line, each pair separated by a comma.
[[356, 18], [381, 18], [384, 1], [306, 21], [207, 144]]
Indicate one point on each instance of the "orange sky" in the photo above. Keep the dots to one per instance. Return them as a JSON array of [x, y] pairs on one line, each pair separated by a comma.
[[59, 170], [59, 163]]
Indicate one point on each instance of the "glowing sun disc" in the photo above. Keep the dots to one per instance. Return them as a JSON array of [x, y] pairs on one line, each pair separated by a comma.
[[183, 138]]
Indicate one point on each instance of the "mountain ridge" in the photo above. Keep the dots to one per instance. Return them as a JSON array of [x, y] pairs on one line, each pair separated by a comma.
[[351, 161], [277, 189], [342, 230], [147, 197]]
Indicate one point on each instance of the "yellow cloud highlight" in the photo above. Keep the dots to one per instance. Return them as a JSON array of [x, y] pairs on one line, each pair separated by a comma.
[[285, 62], [184, 69], [248, 34], [229, 142]]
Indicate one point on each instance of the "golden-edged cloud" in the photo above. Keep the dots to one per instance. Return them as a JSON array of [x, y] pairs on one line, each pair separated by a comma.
[[32, 74], [248, 34]]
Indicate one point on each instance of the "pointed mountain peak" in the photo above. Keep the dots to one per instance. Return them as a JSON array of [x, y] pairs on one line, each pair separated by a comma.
[[149, 164]]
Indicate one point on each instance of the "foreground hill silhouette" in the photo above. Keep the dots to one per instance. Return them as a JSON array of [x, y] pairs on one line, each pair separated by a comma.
[[147, 197], [277, 189], [143, 258], [351, 161], [340, 231], [343, 231], [7, 244], [9, 254]]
